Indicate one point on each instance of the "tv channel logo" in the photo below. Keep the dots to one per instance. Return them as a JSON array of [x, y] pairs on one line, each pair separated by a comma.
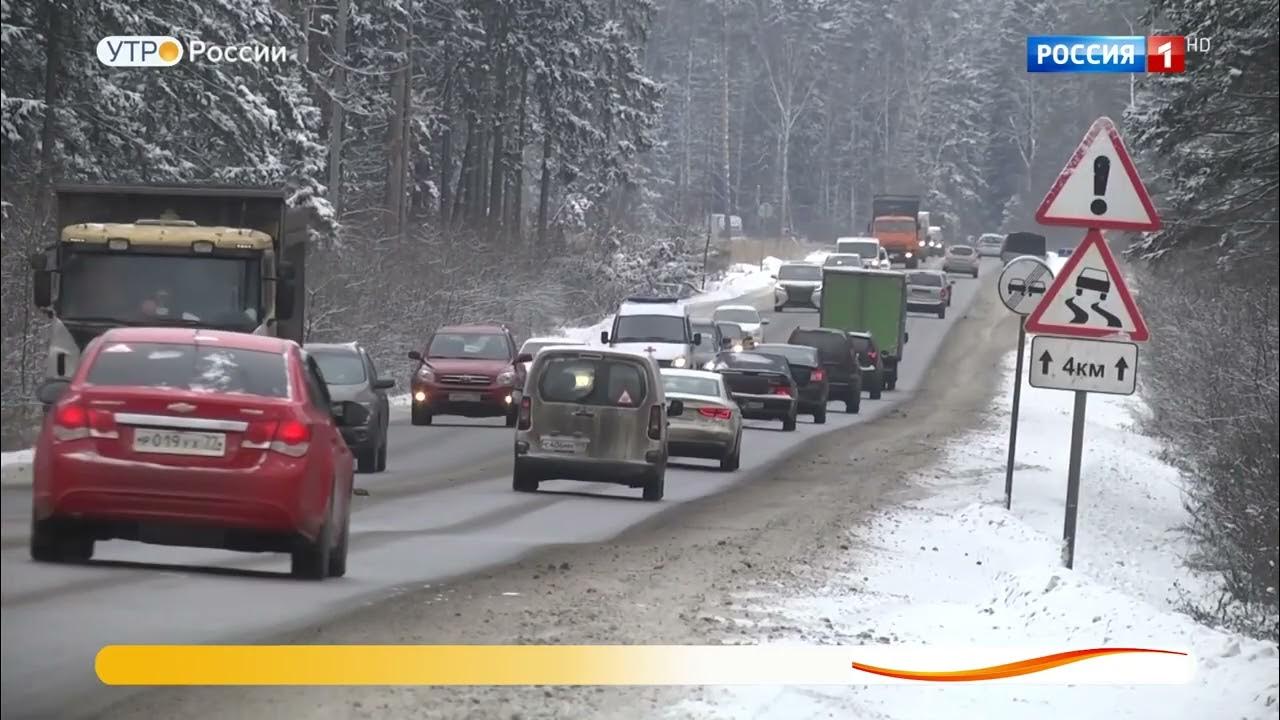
[[140, 51], [1086, 53]]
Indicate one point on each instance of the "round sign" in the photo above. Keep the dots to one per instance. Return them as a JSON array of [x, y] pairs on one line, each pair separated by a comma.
[[765, 211], [1023, 283]]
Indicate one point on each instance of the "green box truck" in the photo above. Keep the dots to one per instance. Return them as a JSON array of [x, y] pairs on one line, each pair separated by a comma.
[[870, 301]]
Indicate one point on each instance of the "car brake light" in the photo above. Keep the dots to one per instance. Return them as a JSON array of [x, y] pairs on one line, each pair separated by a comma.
[[75, 422], [872, 355], [292, 438], [782, 390], [655, 422], [525, 419], [716, 413], [817, 375]]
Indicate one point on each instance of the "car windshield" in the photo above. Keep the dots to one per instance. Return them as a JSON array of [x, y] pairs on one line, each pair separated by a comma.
[[928, 279], [688, 385], [895, 226], [340, 367], [589, 381], [800, 272], [962, 250], [140, 289], [735, 315], [707, 329], [794, 354], [649, 328], [469, 346], [859, 247], [844, 260], [190, 367]]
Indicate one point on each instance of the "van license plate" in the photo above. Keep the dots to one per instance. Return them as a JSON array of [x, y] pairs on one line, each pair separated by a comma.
[[464, 397], [175, 442], [560, 445]]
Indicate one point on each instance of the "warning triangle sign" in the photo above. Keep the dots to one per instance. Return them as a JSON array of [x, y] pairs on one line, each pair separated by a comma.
[[1088, 298], [624, 398], [1099, 187]]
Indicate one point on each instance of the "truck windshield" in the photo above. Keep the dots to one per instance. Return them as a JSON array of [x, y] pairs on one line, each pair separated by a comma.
[[157, 289], [895, 225]]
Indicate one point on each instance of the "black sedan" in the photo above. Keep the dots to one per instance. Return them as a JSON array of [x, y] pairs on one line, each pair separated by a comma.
[[761, 385], [812, 385], [349, 374]]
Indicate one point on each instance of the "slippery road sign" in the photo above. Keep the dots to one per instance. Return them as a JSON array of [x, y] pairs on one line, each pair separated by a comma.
[[1099, 187], [1023, 283], [1059, 363], [1089, 298]]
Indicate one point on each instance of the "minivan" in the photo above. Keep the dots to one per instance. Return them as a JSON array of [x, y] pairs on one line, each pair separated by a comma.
[[593, 415], [1023, 243]]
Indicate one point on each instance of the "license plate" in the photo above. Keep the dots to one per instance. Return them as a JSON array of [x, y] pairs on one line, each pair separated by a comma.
[[755, 405], [464, 397], [560, 445], [179, 442]]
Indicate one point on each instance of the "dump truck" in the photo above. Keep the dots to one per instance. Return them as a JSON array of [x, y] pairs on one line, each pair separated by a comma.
[[895, 222], [227, 258], [871, 301]]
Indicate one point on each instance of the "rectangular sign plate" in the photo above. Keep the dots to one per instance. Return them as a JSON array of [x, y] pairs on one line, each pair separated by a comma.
[[1061, 363]]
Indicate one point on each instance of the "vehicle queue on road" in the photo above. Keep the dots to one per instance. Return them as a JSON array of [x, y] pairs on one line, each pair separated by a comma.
[[195, 437]]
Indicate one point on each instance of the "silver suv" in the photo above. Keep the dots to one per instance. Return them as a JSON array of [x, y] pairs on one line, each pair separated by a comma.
[[595, 415]]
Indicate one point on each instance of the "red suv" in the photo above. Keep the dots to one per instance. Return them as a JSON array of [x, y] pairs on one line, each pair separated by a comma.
[[466, 370]]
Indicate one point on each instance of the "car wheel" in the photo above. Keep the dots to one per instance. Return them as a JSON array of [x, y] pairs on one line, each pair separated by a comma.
[[789, 423], [820, 416], [655, 485], [338, 556], [367, 460], [877, 387], [522, 480], [852, 402], [942, 312], [511, 419], [730, 462], [892, 382], [381, 464], [975, 274], [311, 560], [53, 546], [420, 415], [777, 308]]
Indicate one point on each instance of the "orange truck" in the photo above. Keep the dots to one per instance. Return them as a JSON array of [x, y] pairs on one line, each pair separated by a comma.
[[895, 222]]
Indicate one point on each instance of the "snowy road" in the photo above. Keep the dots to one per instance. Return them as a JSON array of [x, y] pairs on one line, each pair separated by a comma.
[[443, 509]]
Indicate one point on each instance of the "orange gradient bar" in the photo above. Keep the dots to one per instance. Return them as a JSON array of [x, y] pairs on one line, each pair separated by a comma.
[[402, 665]]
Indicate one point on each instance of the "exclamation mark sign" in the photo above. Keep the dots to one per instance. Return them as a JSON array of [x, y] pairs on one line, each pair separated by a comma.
[[1101, 169]]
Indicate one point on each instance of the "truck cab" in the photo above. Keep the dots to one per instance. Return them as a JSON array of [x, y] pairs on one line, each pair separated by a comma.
[[895, 222]]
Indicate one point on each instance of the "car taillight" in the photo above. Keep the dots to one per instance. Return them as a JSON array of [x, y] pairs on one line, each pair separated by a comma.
[[655, 422], [782, 390], [525, 419], [289, 437], [817, 375], [872, 355], [716, 413], [75, 422], [259, 434]]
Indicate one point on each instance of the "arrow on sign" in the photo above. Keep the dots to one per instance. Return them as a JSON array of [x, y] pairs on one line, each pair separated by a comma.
[[1121, 366], [1045, 359]]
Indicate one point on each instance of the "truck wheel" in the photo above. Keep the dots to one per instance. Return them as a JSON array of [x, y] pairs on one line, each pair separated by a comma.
[[420, 415], [654, 485], [820, 416], [789, 423], [892, 382], [777, 308]]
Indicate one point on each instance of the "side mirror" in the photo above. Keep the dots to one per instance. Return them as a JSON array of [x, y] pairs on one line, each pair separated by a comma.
[[348, 413], [524, 358], [50, 391], [952, 282], [38, 261], [906, 337], [415, 355], [604, 337], [42, 288], [675, 408], [384, 383], [764, 321], [697, 338], [774, 277]]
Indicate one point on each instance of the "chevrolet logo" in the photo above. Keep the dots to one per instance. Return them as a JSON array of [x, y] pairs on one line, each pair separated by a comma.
[[181, 407]]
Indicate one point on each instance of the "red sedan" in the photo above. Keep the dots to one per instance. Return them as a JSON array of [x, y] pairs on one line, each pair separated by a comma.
[[178, 436]]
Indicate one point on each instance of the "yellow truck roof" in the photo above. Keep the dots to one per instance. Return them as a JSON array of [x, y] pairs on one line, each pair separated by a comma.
[[167, 234]]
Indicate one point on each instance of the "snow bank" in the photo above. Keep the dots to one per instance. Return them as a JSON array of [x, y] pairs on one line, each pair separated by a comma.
[[958, 569]]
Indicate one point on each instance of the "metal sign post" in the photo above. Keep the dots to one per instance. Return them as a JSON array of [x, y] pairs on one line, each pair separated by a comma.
[[1089, 301], [1021, 287]]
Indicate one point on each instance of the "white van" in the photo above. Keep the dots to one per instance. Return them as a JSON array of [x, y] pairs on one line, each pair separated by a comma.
[[873, 255], [658, 327]]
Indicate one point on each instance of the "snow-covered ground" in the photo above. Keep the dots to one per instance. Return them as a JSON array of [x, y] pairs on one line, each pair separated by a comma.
[[956, 568]]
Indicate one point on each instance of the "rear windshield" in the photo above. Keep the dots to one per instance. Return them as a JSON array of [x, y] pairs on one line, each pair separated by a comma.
[[649, 328], [751, 361], [796, 354], [191, 367], [589, 381], [800, 272], [1025, 245], [924, 279], [732, 331], [709, 387], [991, 239], [738, 316], [339, 367], [861, 344], [961, 250], [832, 345], [477, 346]]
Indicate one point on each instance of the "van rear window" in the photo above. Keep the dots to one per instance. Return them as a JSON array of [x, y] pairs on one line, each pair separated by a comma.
[[588, 381], [190, 367]]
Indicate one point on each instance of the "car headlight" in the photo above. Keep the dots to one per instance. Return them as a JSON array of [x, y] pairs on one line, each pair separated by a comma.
[[679, 362], [507, 377], [425, 374], [922, 243], [737, 348], [909, 255]]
